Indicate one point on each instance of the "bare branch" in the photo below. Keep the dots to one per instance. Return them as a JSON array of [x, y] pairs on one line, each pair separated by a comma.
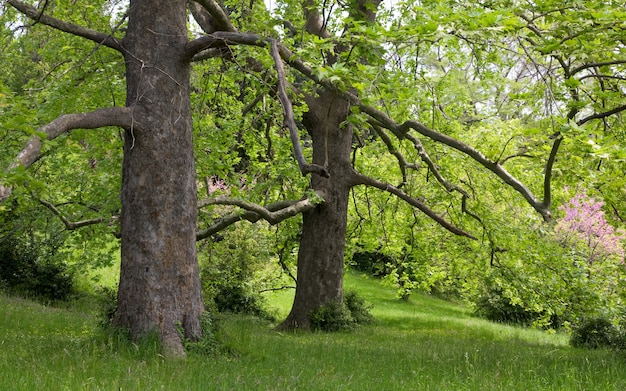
[[290, 122], [596, 65], [604, 114], [365, 180], [514, 155], [84, 32], [547, 179], [112, 116], [272, 217], [273, 213], [70, 225]]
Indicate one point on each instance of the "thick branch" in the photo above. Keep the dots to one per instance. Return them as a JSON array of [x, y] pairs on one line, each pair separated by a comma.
[[596, 65], [365, 180], [84, 32], [202, 17], [273, 213], [604, 114], [314, 23], [272, 217], [221, 21], [71, 225], [113, 116], [290, 122]]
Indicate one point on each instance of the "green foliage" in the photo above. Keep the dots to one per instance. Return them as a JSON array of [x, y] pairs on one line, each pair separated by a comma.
[[28, 262], [335, 316], [107, 302], [332, 317], [236, 268], [235, 299], [496, 307], [594, 333], [208, 344], [374, 263], [359, 309]]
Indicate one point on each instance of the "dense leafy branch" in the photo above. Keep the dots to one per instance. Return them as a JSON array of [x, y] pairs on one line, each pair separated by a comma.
[[96, 36], [112, 116]]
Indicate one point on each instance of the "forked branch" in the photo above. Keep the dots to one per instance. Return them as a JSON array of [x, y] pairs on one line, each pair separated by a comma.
[[273, 213], [383, 120]]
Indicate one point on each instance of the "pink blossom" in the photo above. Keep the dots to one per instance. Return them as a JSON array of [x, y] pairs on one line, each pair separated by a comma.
[[214, 184], [584, 223]]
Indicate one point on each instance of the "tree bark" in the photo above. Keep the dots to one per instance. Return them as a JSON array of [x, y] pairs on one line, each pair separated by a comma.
[[321, 253], [159, 287]]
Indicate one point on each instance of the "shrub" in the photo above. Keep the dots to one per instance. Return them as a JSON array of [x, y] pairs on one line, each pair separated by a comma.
[[336, 316], [107, 300], [594, 333], [373, 263], [22, 270], [235, 268], [208, 344], [359, 309], [496, 307], [235, 299]]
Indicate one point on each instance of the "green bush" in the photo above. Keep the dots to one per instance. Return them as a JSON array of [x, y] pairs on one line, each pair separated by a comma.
[[373, 263], [594, 333], [107, 300], [359, 309], [236, 300], [208, 344], [496, 307], [24, 270], [336, 316], [236, 268]]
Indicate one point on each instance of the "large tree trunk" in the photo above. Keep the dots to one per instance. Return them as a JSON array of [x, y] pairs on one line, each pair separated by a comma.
[[321, 253], [159, 282]]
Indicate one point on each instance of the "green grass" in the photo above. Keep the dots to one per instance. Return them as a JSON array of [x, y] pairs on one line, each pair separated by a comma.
[[423, 344]]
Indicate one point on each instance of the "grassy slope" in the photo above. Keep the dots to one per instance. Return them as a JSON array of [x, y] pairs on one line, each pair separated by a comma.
[[425, 344]]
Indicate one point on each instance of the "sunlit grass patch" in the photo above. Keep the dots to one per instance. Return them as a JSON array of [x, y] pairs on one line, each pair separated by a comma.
[[423, 344]]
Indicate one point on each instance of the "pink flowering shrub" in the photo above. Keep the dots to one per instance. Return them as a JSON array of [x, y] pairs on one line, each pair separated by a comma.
[[585, 227], [214, 184]]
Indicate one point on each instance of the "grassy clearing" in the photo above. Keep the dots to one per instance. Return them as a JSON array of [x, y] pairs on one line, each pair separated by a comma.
[[425, 344]]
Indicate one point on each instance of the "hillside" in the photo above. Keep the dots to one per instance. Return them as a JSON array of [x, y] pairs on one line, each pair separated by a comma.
[[423, 344]]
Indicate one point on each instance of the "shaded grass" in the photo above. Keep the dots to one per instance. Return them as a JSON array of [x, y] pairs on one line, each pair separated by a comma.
[[423, 344]]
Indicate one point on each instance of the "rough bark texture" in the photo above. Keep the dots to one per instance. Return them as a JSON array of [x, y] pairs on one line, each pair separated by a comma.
[[320, 257], [159, 283]]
